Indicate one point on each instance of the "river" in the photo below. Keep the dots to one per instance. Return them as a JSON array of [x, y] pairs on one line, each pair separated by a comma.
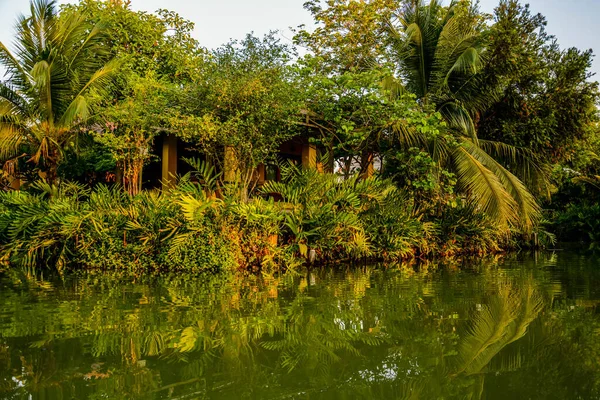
[[516, 327]]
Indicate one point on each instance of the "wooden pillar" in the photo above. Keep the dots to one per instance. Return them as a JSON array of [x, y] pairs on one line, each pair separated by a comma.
[[309, 156], [230, 165], [261, 172], [370, 170], [367, 165], [169, 161]]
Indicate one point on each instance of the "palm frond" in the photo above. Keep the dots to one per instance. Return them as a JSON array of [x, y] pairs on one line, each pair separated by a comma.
[[78, 109], [17, 73], [11, 138], [11, 102], [459, 119], [521, 162], [484, 188], [529, 212]]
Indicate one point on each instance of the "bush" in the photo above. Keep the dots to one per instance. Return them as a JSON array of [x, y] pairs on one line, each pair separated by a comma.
[[579, 223], [109, 229], [393, 228], [32, 230], [353, 218], [321, 218], [205, 248], [462, 229]]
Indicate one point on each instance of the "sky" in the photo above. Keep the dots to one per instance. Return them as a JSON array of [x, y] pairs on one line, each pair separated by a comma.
[[573, 22]]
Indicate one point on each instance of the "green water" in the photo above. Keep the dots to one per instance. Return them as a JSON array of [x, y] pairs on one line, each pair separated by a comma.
[[520, 328]]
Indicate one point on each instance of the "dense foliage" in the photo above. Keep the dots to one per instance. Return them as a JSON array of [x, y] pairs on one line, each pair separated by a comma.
[[440, 130], [321, 219]]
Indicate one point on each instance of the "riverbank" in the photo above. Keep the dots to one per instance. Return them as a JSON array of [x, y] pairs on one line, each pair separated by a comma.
[[196, 227]]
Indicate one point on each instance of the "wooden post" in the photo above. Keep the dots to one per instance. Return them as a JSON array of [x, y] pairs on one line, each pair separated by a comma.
[[169, 161], [261, 174], [370, 170], [309, 156], [367, 167], [230, 173]]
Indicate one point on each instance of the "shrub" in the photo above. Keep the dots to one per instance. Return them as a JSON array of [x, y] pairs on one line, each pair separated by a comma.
[[31, 225], [199, 227], [579, 223], [353, 218], [463, 229], [394, 229]]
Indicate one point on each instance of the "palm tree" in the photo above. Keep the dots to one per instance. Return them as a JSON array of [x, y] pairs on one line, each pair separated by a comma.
[[440, 53], [58, 68]]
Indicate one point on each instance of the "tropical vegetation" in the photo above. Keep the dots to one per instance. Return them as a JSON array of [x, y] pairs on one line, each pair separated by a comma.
[[441, 130]]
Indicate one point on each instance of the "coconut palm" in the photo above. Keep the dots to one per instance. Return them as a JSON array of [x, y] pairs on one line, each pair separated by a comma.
[[440, 53], [58, 68], [440, 50]]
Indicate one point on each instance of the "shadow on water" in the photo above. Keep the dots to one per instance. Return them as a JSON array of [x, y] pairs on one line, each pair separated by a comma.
[[518, 327]]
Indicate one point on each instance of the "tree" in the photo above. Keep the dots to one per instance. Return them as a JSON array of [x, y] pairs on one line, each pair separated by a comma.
[[158, 58], [159, 42], [128, 127], [355, 116], [440, 53], [547, 99], [55, 77], [348, 34], [343, 77], [246, 102], [437, 53]]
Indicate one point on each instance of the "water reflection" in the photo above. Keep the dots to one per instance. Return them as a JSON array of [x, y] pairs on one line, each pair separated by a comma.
[[497, 329]]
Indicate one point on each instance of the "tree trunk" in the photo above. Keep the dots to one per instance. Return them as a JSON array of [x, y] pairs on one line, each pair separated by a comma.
[[52, 174], [366, 164], [330, 159]]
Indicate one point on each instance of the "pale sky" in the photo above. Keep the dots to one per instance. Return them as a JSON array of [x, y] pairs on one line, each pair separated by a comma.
[[573, 22]]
